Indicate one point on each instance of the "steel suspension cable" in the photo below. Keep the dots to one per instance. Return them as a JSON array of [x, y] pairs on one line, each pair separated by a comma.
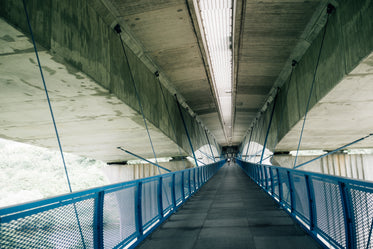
[[333, 151], [186, 130], [330, 9], [248, 144], [169, 116], [208, 140], [260, 136], [293, 64], [269, 126], [52, 116], [118, 30]]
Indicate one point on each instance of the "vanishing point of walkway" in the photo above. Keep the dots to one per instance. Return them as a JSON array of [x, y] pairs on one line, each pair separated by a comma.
[[230, 211]]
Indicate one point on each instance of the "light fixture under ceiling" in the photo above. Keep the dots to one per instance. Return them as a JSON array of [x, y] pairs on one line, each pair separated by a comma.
[[216, 20]]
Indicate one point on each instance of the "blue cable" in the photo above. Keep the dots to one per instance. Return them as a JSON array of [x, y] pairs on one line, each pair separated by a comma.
[[172, 124], [51, 112], [186, 130], [294, 63], [138, 97], [333, 151], [269, 126], [312, 85], [208, 140], [248, 144]]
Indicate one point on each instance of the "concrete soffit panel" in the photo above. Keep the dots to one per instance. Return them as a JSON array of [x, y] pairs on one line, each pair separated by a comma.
[[96, 9], [137, 48], [308, 36]]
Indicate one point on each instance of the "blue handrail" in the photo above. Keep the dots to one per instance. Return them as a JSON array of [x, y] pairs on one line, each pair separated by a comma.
[[336, 211], [114, 216]]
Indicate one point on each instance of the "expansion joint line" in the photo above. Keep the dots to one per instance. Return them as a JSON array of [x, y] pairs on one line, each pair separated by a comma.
[[53, 119], [330, 10], [119, 30]]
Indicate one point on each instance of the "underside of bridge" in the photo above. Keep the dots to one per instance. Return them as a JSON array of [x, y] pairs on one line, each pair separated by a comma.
[[102, 92]]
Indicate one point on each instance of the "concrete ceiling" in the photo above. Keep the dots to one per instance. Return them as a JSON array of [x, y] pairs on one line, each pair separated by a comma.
[[342, 116], [266, 37], [91, 121], [169, 35], [267, 34]]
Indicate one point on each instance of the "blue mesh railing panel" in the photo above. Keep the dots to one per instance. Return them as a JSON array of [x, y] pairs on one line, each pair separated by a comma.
[[276, 190], [178, 187], [301, 201], [117, 226], [362, 202], [336, 211], [149, 202], [329, 211], [192, 181], [196, 175], [166, 193], [55, 228], [186, 184], [285, 189], [269, 179], [109, 216]]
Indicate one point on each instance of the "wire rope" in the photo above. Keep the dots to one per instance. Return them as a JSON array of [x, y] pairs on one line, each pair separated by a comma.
[[329, 11], [53, 119], [118, 30]]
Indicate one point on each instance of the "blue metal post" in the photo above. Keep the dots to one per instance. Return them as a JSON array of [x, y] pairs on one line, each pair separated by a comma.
[[98, 230], [279, 186], [348, 216], [160, 199], [200, 176], [186, 130], [173, 192], [291, 190], [194, 180], [182, 186], [190, 188], [271, 175], [269, 127], [138, 212], [311, 202]]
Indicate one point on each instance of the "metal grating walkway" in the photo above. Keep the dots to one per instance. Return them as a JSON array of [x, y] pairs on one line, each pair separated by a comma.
[[230, 211]]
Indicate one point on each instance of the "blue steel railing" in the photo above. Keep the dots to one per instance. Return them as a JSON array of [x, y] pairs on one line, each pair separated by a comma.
[[115, 216], [336, 211]]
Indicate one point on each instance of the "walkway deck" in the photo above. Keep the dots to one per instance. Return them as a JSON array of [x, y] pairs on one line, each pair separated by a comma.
[[230, 211]]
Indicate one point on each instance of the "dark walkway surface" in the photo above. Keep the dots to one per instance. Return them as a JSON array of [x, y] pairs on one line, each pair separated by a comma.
[[230, 211]]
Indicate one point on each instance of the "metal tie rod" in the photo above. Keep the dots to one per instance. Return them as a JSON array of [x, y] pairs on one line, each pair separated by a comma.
[[140, 157]]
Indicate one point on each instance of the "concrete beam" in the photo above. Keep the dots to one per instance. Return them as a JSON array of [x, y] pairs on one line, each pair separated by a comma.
[[345, 68], [79, 33]]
